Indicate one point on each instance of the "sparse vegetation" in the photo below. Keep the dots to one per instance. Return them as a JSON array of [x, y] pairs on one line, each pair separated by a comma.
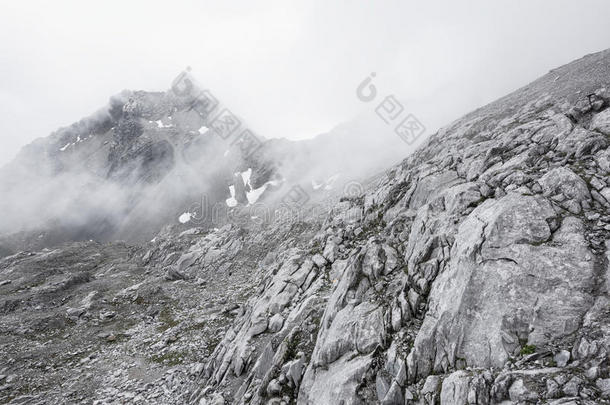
[[169, 358], [528, 349], [167, 320], [316, 248]]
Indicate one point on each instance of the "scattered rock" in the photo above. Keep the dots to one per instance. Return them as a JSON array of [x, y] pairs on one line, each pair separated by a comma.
[[562, 358]]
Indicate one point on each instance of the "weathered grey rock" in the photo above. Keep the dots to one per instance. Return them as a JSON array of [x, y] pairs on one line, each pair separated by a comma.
[[605, 192], [565, 181], [602, 158], [597, 183], [373, 262], [562, 358], [274, 387], [382, 384], [259, 325], [572, 388], [337, 270], [503, 265], [174, 274], [75, 313], [455, 388], [521, 392], [264, 362], [360, 329], [301, 275], [394, 395], [592, 373], [275, 323], [462, 387], [601, 122], [603, 384], [294, 371], [553, 389], [331, 250], [431, 389], [335, 384], [214, 399], [319, 260], [281, 300]]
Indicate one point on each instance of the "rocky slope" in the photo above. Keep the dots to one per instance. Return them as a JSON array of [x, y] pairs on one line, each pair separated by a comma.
[[475, 272]]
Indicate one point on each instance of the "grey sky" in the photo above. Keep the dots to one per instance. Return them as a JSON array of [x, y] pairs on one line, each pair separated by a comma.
[[290, 68]]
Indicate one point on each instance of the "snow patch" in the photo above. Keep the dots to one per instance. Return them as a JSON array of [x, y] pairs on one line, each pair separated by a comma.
[[255, 194], [160, 124], [231, 202], [184, 218], [203, 130], [252, 194]]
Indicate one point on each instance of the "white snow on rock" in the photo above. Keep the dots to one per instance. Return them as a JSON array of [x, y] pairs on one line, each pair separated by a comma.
[[231, 201], [160, 124], [184, 218], [78, 140], [203, 130], [226, 153], [254, 195]]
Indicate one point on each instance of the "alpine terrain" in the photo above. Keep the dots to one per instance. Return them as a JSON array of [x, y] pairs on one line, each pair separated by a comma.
[[150, 254]]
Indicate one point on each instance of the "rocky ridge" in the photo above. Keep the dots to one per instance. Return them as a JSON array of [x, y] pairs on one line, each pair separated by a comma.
[[475, 272]]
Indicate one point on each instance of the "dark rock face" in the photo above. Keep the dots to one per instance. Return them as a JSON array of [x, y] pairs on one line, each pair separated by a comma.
[[475, 272], [143, 162]]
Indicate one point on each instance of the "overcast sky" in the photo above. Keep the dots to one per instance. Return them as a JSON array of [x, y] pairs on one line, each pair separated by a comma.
[[290, 68]]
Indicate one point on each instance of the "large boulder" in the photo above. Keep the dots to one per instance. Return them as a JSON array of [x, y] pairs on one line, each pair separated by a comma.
[[565, 181], [512, 280], [359, 329], [463, 388], [336, 384], [601, 122]]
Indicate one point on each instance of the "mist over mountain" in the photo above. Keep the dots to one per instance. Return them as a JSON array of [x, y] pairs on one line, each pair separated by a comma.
[[162, 251], [145, 159]]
